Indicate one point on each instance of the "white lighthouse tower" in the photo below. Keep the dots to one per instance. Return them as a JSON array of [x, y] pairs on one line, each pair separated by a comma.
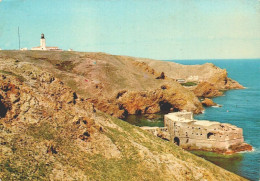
[[43, 45], [43, 42]]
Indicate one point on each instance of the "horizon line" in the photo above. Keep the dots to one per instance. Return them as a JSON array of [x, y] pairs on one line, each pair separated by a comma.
[[211, 59], [203, 59]]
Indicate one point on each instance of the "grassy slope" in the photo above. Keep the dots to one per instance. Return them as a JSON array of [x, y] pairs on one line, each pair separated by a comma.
[[71, 163]]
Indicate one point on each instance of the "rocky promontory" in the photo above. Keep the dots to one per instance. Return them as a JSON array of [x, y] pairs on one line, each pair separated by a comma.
[[55, 121], [210, 80], [208, 102]]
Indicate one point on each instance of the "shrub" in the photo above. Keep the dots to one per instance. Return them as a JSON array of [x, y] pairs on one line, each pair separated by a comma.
[[189, 84]]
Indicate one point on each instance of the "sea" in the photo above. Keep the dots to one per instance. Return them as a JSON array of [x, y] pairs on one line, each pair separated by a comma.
[[239, 107]]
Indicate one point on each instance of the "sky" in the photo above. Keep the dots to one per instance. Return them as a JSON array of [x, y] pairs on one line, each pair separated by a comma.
[[158, 29]]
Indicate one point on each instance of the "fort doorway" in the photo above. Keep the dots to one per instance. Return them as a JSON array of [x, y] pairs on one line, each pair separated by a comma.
[[176, 140]]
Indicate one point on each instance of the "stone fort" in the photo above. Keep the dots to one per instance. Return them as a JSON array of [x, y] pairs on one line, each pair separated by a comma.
[[191, 134]]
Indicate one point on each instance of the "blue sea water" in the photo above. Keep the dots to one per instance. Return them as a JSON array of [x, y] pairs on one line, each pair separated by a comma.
[[241, 108]]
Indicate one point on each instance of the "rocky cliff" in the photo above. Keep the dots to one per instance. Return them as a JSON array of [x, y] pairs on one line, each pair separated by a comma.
[[50, 130], [116, 85], [210, 78]]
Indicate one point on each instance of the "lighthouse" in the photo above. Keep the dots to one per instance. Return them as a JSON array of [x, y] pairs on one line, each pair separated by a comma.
[[43, 42], [43, 45]]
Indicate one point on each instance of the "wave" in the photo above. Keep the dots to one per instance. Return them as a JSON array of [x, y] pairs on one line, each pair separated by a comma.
[[217, 106]]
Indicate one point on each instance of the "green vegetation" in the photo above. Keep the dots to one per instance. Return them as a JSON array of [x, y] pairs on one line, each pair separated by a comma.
[[65, 66], [44, 131], [19, 77], [188, 84]]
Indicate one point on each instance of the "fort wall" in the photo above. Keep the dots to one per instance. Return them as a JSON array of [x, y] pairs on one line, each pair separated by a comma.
[[201, 134], [182, 129]]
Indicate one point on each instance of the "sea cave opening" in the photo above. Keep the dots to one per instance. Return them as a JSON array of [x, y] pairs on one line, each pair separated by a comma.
[[165, 106]]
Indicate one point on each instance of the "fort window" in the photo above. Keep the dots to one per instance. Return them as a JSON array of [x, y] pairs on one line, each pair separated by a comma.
[[176, 140], [209, 135]]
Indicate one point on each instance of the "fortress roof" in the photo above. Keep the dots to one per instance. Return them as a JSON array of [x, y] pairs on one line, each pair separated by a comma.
[[173, 116], [187, 117], [205, 123]]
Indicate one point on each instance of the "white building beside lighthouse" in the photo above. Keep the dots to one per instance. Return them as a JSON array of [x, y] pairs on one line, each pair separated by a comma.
[[43, 45]]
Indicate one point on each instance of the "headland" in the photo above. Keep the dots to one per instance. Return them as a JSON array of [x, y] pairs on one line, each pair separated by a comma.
[[56, 121]]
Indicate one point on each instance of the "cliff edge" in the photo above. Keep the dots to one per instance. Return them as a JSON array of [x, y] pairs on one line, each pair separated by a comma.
[[211, 80]]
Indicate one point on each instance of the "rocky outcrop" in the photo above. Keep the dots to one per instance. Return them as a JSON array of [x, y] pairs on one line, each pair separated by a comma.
[[211, 78], [239, 148], [138, 90], [208, 102], [221, 81], [206, 89], [150, 102]]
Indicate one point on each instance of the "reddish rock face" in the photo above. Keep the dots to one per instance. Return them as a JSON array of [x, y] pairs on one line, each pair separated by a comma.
[[239, 148], [232, 150], [148, 102], [208, 102], [9, 95], [206, 89]]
